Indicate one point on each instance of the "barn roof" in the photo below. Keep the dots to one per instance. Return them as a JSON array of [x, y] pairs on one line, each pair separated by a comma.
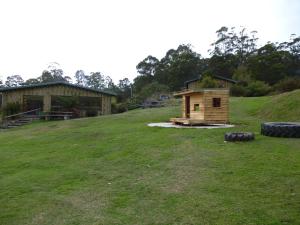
[[214, 76], [7, 89], [201, 90]]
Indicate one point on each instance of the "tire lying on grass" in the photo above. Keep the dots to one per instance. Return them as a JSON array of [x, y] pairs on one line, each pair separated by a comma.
[[289, 130], [239, 136]]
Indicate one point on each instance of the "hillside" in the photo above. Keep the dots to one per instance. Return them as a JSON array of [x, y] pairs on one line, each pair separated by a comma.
[[116, 170], [282, 107]]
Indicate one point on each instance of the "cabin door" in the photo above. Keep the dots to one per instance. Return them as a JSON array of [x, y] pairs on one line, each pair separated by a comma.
[[187, 106]]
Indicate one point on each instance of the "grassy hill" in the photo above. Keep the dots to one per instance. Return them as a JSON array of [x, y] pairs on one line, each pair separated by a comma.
[[282, 107], [116, 170]]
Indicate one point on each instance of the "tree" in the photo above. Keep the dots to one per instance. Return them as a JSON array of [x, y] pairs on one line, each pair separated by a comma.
[[234, 54], [110, 85], [223, 45], [179, 66], [46, 77], [56, 72], [242, 75], [124, 84], [32, 81], [222, 65], [141, 81], [293, 47], [270, 64], [152, 90], [53, 73], [14, 81], [244, 44], [68, 79], [96, 80], [124, 90], [231, 42], [1, 84], [81, 78], [148, 66]]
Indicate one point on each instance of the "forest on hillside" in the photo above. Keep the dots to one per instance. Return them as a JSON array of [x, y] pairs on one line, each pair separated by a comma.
[[235, 54]]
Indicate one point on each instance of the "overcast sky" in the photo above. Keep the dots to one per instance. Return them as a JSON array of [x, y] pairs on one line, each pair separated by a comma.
[[113, 36]]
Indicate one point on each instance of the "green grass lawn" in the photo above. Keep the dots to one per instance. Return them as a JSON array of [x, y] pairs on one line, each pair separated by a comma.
[[116, 170]]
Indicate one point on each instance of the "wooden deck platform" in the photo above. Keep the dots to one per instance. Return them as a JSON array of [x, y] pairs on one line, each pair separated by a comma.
[[191, 122]]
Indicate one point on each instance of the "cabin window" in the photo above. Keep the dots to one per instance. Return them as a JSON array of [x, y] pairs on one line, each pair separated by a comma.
[[216, 102], [196, 107]]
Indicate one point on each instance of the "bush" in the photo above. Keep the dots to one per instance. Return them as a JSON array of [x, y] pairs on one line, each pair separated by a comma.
[[238, 90], [132, 105], [118, 107], [242, 75], [287, 84], [257, 88], [208, 82], [12, 108], [152, 89]]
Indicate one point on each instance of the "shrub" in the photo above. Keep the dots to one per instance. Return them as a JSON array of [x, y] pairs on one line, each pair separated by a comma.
[[152, 89], [12, 108], [287, 84], [257, 88], [238, 90], [242, 75], [208, 82], [118, 107]]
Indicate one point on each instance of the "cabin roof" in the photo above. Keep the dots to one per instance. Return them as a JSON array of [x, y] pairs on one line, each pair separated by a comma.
[[214, 76], [8, 89]]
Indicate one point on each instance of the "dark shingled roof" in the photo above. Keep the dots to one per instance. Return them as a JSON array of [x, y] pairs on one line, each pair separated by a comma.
[[6, 89], [214, 76]]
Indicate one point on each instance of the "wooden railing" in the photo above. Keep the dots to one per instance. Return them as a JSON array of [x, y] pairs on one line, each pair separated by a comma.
[[57, 114], [7, 119], [14, 116]]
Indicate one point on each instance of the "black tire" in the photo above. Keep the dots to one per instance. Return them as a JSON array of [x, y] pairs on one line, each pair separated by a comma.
[[288, 130], [239, 136]]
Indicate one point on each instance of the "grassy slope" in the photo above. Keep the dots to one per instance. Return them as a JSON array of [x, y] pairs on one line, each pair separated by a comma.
[[282, 107], [116, 170]]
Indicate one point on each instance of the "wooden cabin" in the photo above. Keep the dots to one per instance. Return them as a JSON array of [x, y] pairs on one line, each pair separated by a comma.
[[56, 96], [203, 106]]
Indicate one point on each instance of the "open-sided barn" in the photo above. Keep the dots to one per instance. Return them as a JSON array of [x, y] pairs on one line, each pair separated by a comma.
[[58, 96]]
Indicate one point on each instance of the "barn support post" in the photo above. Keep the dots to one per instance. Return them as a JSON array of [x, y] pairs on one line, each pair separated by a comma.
[[3, 104], [109, 105], [103, 105], [106, 105], [47, 103], [4, 100], [99, 112]]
